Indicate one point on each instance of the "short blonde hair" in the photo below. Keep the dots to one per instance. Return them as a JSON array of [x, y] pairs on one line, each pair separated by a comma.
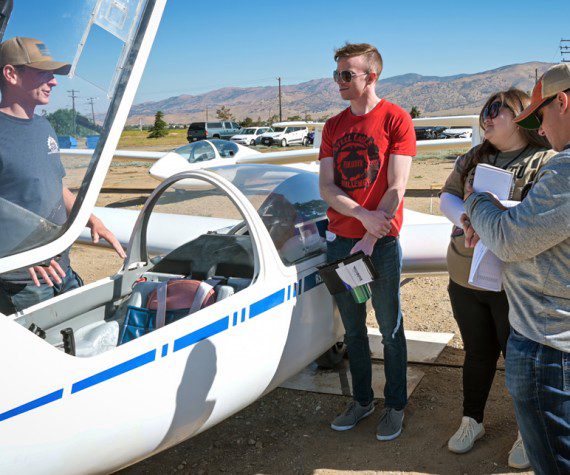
[[373, 57]]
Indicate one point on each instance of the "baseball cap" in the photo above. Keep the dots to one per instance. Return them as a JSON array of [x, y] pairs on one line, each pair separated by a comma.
[[30, 52], [553, 81]]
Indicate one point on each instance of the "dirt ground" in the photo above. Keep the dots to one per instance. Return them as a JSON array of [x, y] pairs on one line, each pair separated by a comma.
[[288, 431]]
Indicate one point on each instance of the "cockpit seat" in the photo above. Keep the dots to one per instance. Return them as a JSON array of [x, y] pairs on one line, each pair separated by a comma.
[[144, 292]]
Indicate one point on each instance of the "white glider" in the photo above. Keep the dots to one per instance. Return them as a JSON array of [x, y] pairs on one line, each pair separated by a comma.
[[95, 406]]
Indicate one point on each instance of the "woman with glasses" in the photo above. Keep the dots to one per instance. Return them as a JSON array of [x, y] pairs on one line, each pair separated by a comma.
[[482, 316]]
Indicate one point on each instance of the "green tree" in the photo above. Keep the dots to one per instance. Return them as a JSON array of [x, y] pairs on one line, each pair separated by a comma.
[[294, 118], [273, 118], [159, 128], [308, 118], [247, 122], [415, 112], [224, 113], [258, 121], [62, 122]]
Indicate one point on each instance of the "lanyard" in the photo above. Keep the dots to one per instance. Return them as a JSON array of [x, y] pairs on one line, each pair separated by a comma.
[[513, 160]]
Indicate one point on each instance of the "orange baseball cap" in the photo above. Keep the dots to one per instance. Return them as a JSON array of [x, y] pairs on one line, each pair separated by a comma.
[[29, 52], [553, 81]]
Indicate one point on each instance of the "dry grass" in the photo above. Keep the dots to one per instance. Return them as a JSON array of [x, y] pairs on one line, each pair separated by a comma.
[[136, 139]]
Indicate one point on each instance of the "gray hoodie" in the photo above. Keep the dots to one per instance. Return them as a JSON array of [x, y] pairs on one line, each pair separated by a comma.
[[533, 238]]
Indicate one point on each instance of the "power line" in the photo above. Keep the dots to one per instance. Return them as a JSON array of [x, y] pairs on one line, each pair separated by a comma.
[[280, 111], [73, 95], [565, 50], [90, 101]]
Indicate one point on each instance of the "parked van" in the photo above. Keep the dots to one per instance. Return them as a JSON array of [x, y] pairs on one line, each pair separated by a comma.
[[212, 130], [249, 135], [285, 136]]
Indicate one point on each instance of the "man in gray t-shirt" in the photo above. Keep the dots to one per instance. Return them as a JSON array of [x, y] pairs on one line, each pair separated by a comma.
[[31, 188]]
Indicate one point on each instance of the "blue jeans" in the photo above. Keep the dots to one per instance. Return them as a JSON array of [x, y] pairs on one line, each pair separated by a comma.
[[538, 378], [15, 297], [387, 258]]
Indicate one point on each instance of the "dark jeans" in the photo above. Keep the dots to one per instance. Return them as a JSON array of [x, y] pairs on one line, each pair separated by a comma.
[[15, 297], [538, 378], [387, 258], [483, 320]]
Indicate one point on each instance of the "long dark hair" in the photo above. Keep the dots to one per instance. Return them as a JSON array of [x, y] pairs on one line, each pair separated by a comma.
[[515, 100]]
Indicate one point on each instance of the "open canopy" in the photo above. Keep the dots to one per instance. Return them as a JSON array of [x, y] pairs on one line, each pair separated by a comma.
[[106, 42]]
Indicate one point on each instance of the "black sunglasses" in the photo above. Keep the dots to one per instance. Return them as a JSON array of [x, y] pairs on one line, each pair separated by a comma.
[[346, 76], [491, 111], [538, 112]]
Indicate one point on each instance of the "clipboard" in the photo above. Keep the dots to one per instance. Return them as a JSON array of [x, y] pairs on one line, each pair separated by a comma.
[[335, 284]]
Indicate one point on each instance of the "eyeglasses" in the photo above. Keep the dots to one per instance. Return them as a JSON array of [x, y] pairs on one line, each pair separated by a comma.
[[346, 76], [491, 111]]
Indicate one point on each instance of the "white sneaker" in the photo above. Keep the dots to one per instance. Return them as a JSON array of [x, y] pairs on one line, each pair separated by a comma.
[[517, 455], [469, 431]]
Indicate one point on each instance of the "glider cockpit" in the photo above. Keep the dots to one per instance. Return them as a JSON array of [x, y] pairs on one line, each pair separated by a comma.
[[207, 235]]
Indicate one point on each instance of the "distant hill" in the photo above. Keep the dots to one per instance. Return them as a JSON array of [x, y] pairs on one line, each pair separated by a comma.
[[433, 95]]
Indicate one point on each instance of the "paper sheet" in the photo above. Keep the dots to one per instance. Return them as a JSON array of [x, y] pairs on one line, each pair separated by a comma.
[[487, 269], [355, 273], [493, 179]]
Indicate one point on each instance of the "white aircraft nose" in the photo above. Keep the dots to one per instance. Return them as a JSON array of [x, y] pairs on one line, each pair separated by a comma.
[[169, 165]]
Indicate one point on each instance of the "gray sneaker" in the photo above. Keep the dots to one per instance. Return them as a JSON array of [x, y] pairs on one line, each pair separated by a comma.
[[390, 425], [353, 413]]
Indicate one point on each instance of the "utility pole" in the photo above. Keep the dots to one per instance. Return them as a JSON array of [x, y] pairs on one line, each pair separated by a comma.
[[90, 101], [535, 75], [73, 95], [280, 111], [565, 50], [206, 114]]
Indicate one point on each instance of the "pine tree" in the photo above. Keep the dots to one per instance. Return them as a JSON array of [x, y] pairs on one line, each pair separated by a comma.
[[159, 128], [415, 112]]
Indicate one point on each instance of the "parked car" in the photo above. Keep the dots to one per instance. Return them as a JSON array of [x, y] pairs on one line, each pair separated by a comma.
[[310, 138], [249, 135], [430, 132], [285, 136], [212, 130], [458, 132]]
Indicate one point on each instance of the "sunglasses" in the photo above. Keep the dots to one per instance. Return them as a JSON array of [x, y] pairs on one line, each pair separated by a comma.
[[538, 112], [346, 76], [491, 111]]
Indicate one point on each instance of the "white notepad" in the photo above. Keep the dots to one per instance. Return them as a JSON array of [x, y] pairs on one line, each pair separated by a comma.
[[493, 179], [487, 269]]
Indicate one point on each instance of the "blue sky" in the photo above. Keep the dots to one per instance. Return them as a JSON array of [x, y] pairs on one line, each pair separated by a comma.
[[203, 46]]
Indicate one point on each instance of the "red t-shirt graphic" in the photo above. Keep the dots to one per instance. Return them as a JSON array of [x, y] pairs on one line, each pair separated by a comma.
[[361, 147]]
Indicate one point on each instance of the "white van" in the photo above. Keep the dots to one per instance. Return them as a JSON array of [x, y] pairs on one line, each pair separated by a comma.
[[249, 135], [285, 136]]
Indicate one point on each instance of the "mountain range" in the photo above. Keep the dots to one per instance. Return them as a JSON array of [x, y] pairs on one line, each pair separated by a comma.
[[319, 98]]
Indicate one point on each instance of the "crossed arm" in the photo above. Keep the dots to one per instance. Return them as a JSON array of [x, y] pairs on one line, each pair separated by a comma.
[[376, 222]]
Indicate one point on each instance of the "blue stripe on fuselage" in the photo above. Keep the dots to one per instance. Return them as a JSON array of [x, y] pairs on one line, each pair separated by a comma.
[[41, 401], [267, 303], [201, 334], [115, 371], [255, 309]]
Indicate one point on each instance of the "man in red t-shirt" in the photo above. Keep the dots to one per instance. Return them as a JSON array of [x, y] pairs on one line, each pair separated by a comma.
[[365, 159]]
